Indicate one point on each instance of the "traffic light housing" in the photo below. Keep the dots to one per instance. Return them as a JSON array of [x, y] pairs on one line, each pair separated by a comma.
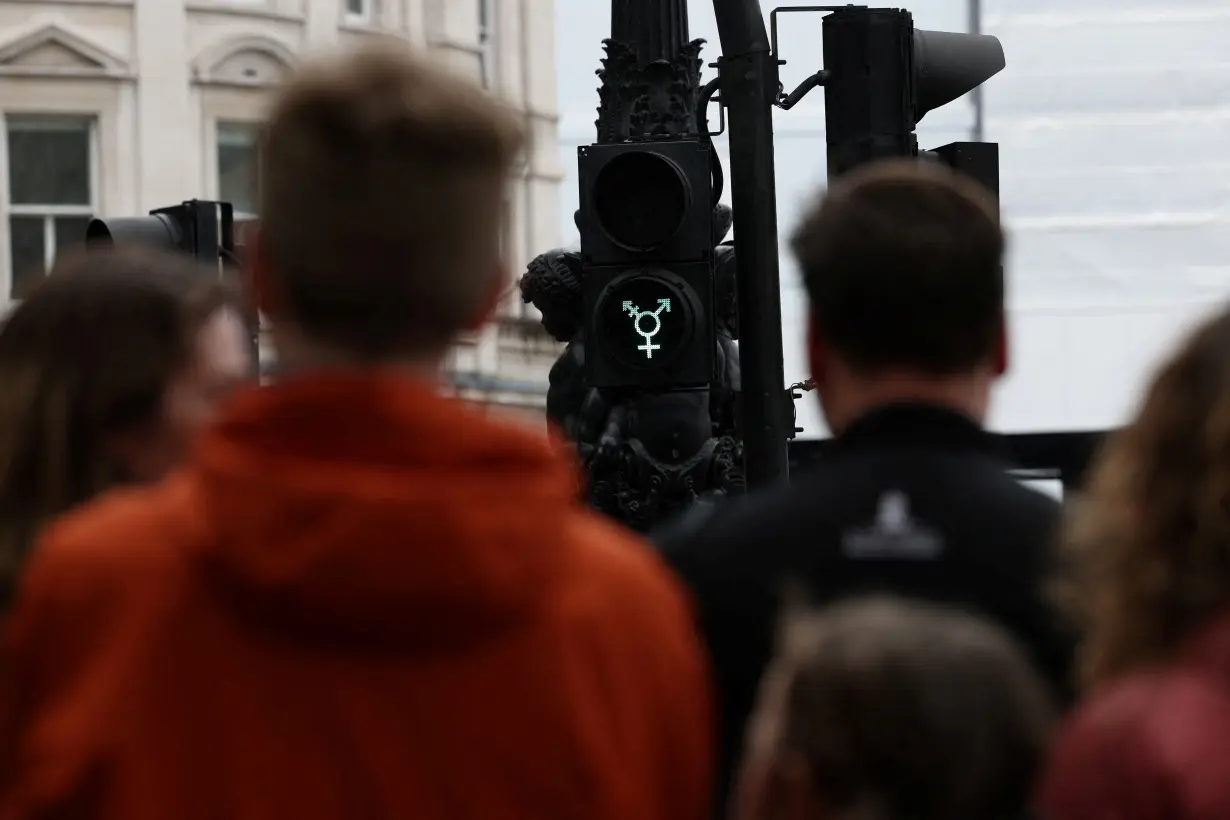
[[979, 160], [883, 76], [202, 229], [646, 224]]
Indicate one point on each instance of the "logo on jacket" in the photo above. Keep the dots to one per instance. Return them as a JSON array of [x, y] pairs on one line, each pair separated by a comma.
[[894, 535]]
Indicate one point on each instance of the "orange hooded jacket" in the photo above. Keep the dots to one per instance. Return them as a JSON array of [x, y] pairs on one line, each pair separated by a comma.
[[357, 600]]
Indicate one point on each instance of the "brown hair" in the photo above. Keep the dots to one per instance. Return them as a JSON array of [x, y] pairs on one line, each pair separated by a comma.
[[381, 186], [904, 709], [88, 354], [902, 265], [1146, 552]]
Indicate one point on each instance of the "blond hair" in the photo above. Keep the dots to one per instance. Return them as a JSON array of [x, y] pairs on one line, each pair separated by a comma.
[[381, 186]]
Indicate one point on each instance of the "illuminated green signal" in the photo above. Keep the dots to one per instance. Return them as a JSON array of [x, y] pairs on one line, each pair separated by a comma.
[[664, 305]]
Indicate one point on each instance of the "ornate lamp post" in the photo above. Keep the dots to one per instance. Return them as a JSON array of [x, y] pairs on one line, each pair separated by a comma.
[[656, 441]]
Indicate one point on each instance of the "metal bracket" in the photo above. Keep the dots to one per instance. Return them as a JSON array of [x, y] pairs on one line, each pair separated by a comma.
[[795, 9], [786, 101], [717, 98], [793, 393], [789, 396], [721, 116]]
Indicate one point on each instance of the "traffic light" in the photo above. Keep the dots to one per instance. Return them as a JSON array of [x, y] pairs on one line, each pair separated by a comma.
[[202, 229], [883, 76], [646, 224]]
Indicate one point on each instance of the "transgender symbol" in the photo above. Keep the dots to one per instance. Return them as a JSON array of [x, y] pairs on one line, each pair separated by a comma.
[[637, 314]]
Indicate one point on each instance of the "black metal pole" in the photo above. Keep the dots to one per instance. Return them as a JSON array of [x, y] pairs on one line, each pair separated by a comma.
[[749, 87], [659, 30], [975, 27]]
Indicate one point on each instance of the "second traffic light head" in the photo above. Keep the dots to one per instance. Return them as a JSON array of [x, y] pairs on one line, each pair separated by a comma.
[[949, 65], [202, 229], [883, 76], [158, 230]]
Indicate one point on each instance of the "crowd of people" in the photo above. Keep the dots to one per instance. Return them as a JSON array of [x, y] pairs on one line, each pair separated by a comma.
[[343, 594]]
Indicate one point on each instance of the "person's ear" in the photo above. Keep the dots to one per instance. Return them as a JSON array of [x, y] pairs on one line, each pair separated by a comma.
[[1000, 361], [497, 291], [817, 352]]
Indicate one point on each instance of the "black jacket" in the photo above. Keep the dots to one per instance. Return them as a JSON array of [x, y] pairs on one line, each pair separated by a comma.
[[912, 500]]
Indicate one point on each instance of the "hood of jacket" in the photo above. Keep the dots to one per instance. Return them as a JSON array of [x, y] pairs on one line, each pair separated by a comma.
[[369, 508]]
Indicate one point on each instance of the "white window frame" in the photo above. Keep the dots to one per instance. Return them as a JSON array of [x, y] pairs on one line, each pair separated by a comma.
[[49, 212], [218, 124], [488, 32], [364, 17], [513, 307]]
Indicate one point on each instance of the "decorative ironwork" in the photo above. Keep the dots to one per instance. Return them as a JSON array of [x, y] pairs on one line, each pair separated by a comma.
[[650, 76]]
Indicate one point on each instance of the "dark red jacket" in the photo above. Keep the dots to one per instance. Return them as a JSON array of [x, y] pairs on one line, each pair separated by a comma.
[[1155, 746]]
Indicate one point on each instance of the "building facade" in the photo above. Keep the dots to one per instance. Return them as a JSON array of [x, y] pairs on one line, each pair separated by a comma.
[[116, 107]]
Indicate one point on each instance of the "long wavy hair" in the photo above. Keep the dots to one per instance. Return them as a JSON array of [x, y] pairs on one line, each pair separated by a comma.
[[1145, 555], [87, 356]]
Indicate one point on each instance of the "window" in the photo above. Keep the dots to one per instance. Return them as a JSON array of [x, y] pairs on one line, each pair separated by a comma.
[[237, 158], [359, 11], [513, 306], [51, 192], [486, 40]]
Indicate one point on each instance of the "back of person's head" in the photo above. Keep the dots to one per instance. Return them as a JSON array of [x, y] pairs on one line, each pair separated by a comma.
[[1147, 547], [382, 186], [879, 709], [88, 363], [902, 264]]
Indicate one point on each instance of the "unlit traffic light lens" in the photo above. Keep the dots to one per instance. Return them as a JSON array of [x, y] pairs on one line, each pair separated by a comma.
[[640, 200], [643, 321]]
